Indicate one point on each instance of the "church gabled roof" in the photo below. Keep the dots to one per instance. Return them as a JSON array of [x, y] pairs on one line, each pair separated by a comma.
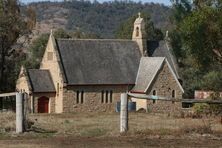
[[99, 62], [149, 67], [161, 49], [148, 70], [40, 80]]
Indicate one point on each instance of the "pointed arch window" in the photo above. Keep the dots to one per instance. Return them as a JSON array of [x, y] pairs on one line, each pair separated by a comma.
[[137, 31], [154, 94], [107, 96], [173, 93], [79, 97]]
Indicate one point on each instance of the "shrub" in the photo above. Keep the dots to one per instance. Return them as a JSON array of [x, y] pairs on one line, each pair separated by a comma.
[[201, 108]]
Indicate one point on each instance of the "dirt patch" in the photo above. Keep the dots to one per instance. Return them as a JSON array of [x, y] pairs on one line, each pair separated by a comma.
[[110, 142]]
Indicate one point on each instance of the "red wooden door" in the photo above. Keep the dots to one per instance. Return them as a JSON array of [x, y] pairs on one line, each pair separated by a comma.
[[43, 105]]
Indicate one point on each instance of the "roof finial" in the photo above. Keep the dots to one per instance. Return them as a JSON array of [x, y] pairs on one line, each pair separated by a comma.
[[139, 14]]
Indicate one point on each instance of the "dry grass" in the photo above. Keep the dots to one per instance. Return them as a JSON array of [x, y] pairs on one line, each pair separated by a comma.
[[7, 122], [107, 124]]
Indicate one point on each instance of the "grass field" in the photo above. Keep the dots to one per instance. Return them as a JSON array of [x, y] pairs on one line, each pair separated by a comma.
[[102, 130]]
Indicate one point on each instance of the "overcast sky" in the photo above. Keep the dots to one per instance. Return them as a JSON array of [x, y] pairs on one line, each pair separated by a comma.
[[166, 2]]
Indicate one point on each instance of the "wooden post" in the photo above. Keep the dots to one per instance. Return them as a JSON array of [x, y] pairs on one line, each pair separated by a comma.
[[1, 103], [123, 113], [19, 112]]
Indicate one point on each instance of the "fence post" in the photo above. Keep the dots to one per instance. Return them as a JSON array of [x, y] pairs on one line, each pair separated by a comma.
[[19, 112], [123, 113]]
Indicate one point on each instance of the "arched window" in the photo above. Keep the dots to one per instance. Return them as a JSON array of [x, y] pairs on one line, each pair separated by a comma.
[[57, 89], [107, 95], [173, 93], [154, 92], [102, 97], [79, 97], [111, 97], [137, 31], [82, 97]]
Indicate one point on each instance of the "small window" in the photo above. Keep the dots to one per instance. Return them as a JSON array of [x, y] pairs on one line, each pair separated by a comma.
[[57, 88], [79, 97], [82, 97], [102, 97], [111, 97], [50, 56], [154, 92], [107, 95], [137, 31], [173, 93]]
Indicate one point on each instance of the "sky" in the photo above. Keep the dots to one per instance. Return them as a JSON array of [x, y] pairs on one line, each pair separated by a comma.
[[166, 2]]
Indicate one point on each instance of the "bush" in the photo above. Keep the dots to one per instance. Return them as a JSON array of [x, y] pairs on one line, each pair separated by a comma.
[[201, 108], [205, 109]]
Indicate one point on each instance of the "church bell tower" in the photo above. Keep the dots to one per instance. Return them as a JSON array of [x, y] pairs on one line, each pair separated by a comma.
[[139, 35]]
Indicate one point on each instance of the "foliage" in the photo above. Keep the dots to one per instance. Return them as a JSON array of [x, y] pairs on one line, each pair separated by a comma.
[[201, 35], [204, 109], [61, 33], [181, 8], [196, 41], [36, 50], [104, 18], [12, 26], [212, 81], [201, 108], [125, 30]]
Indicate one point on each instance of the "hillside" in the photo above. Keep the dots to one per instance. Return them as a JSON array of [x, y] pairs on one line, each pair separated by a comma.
[[98, 18]]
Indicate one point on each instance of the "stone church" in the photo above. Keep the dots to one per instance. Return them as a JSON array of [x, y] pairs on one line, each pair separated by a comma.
[[78, 75]]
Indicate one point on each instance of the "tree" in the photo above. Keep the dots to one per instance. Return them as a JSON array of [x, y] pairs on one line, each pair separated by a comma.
[[197, 43], [126, 29], [12, 26], [36, 51], [201, 36]]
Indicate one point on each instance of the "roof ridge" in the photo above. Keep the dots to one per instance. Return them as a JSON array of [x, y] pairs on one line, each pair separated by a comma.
[[71, 39], [153, 57], [38, 69]]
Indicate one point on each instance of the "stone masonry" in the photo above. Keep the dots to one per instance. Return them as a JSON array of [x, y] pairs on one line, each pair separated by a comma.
[[164, 84], [92, 98]]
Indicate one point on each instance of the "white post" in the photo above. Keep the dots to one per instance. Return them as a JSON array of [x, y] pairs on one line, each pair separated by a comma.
[[32, 104], [19, 112], [123, 113]]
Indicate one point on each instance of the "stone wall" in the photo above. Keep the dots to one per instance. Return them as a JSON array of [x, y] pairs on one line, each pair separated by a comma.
[[92, 98], [165, 83], [168, 107]]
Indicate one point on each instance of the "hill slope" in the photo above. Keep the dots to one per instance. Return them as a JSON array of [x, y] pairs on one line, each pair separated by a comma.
[[97, 18]]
